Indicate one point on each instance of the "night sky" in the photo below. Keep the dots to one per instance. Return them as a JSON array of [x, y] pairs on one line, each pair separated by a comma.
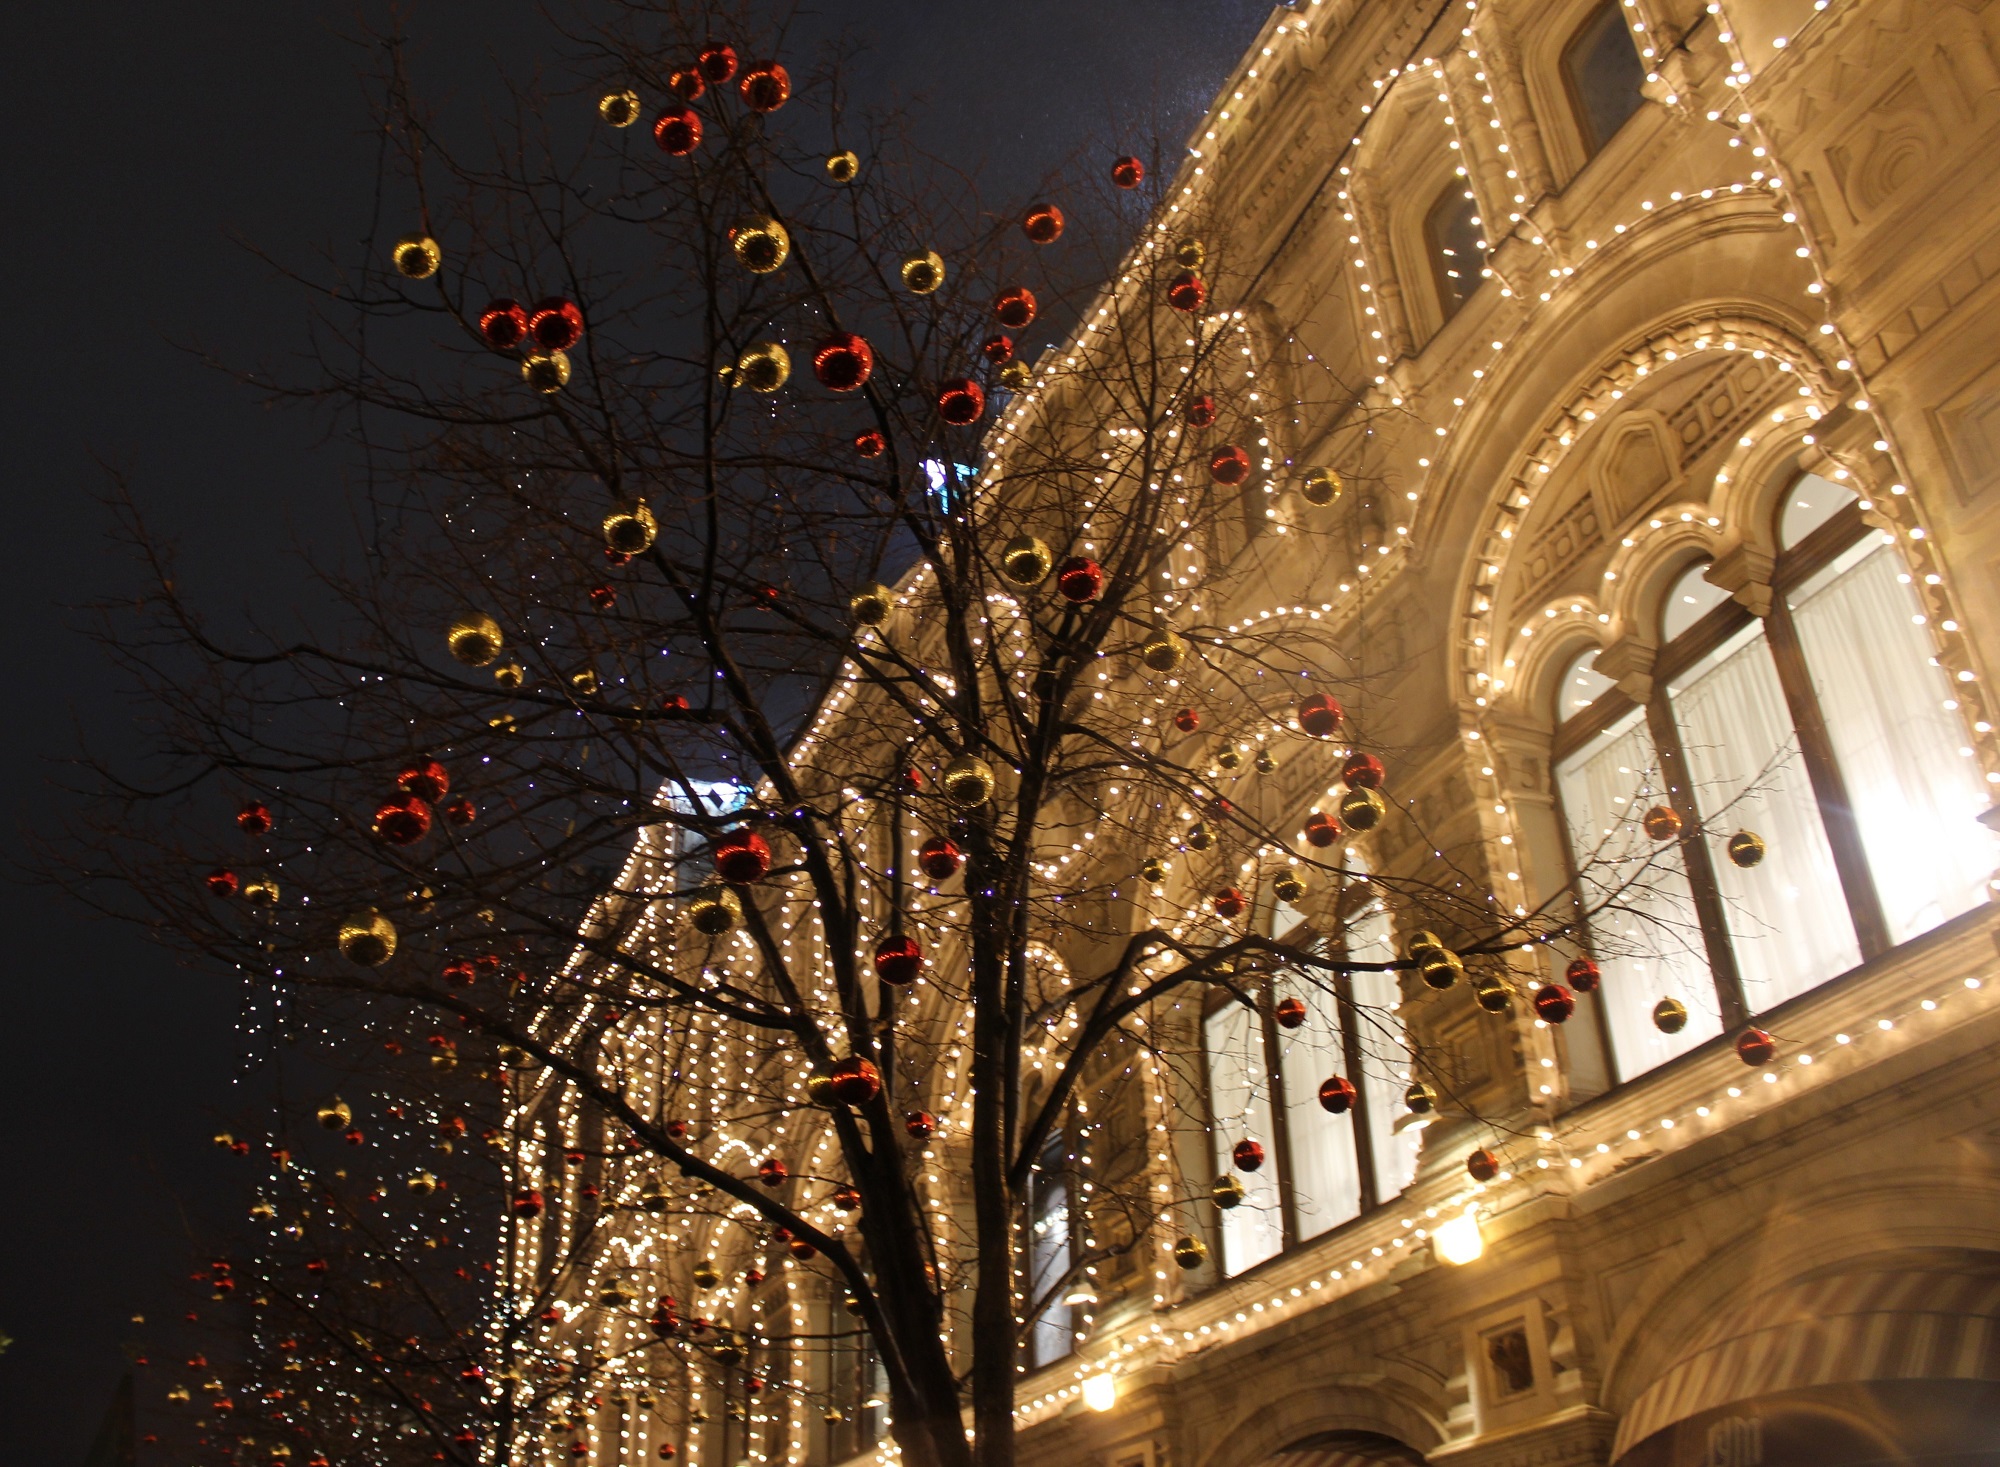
[[144, 147]]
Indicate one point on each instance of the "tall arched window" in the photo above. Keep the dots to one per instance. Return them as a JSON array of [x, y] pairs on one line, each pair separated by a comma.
[[1827, 730], [1603, 74], [1453, 234]]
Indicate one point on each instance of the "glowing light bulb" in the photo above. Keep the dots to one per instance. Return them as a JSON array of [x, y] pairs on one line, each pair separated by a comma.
[[1459, 1241], [1100, 1392]]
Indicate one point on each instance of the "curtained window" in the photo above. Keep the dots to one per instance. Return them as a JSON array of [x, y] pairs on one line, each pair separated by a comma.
[[1050, 1256]]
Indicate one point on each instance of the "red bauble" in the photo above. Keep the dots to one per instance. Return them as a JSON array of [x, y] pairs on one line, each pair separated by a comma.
[[870, 444], [742, 857], [920, 1124], [353, 1136], [1186, 293], [688, 84], [1128, 172], [1200, 412], [1015, 307], [1336, 1094], [254, 818], [1755, 1047], [1320, 715], [1554, 1003], [667, 1452], [717, 62], [678, 131], [403, 821], [461, 811], [221, 882], [913, 781], [677, 1129], [1322, 829], [616, 557], [1290, 1013], [529, 1203], [1080, 579], [856, 1081], [1482, 1165], [1248, 1155], [771, 1171], [603, 597], [1043, 224], [998, 349], [766, 87], [1229, 903], [503, 324], [1582, 975], [1362, 772], [961, 402], [1229, 465], [842, 362], [556, 324], [847, 1199], [939, 858], [800, 1249], [898, 959], [672, 703], [461, 972], [1187, 720], [425, 778]]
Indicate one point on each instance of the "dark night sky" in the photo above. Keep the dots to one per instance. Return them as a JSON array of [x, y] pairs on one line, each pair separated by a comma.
[[139, 141]]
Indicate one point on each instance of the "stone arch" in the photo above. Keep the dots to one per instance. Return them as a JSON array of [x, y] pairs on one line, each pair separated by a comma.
[[1381, 1406]]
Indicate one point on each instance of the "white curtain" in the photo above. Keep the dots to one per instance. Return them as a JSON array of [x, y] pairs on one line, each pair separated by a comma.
[[1787, 915], [1385, 1057], [1239, 1097], [1326, 1176], [1916, 797], [1647, 939]]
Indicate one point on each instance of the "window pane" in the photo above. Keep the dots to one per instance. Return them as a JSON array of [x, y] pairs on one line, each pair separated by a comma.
[[1692, 598], [1916, 797], [1385, 1057], [1326, 1177], [1604, 74], [1809, 504], [1239, 1096], [1581, 686], [1788, 918], [1647, 938], [1458, 248], [1049, 1261]]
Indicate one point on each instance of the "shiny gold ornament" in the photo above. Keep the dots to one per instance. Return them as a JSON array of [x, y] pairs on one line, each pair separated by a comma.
[[760, 244], [475, 639], [1190, 1253], [417, 256], [968, 781], [1320, 487], [1266, 762], [261, 891], [1198, 837], [1420, 1099], [1662, 822], [368, 939], [510, 675], [833, 1415], [613, 1294], [852, 1305], [1153, 869], [1226, 1191], [871, 605], [843, 167], [629, 529], [653, 1197], [1163, 652], [764, 368], [421, 1184], [1288, 887], [547, 372], [263, 1211], [714, 910], [1491, 994], [1362, 808], [1670, 1016], [1746, 849], [1191, 253], [819, 1090], [1439, 965], [584, 684], [620, 109], [1026, 560], [922, 273], [1230, 757], [1016, 375], [504, 724], [706, 1275], [335, 1115]]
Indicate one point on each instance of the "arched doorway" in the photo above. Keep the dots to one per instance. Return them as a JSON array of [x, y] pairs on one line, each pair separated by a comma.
[[1346, 1449]]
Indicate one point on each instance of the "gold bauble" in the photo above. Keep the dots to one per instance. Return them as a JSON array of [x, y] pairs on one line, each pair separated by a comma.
[[1422, 944], [1289, 888], [546, 372], [1025, 560], [1163, 652], [475, 639], [706, 1275], [843, 167], [1670, 1016], [1016, 375], [629, 529], [653, 1196], [714, 910], [368, 938], [1191, 253], [1491, 994], [1746, 849], [1226, 1191], [1230, 758], [871, 605], [760, 244], [1320, 486], [261, 891], [1190, 1253], [584, 684], [1266, 761], [1198, 837], [1362, 808], [422, 1184], [613, 1293], [1440, 968], [335, 1115], [765, 367], [416, 256], [1420, 1098], [819, 1090], [510, 675], [923, 272], [968, 781], [1662, 822], [1153, 869], [620, 109]]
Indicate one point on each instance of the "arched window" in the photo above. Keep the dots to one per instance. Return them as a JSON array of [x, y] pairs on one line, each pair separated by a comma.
[[1826, 730], [1050, 1255], [1453, 234], [1603, 74]]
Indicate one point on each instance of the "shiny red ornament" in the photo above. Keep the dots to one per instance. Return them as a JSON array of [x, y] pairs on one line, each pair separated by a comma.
[[717, 63], [1200, 412], [556, 324], [616, 557], [803, 1251], [1755, 1047], [604, 597], [1186, 293], [742, 857], [1229, 465], [1320, 715], [870, 444], [461, 973], [1336, 1094], [1080, 579], [667, 1452], [898, 959], [1322, 829], [939, 858], [1362, 772], [254, 818], [1128, 172], [688, 84], [677, 1130], [847, 1199], [403, 821], [771, 1171], [678, 131], [461, 811], [1248, 1155], [1582, 975], [998, 349], [920, 1124], [1229, 903], [1187, 720], [1015, 307], [1482, 1165], [912, 781], [1043, 224], [1554, 1003], [529, 1203], [673, 703], [425, 778], [855, 1080], [766, 87], [961, 402], [353, 1136], [503, 324], [842, 362], [1290, 1013]]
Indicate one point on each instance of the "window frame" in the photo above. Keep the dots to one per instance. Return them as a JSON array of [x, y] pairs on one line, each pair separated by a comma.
[[1448, 302], [1580, 118]]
